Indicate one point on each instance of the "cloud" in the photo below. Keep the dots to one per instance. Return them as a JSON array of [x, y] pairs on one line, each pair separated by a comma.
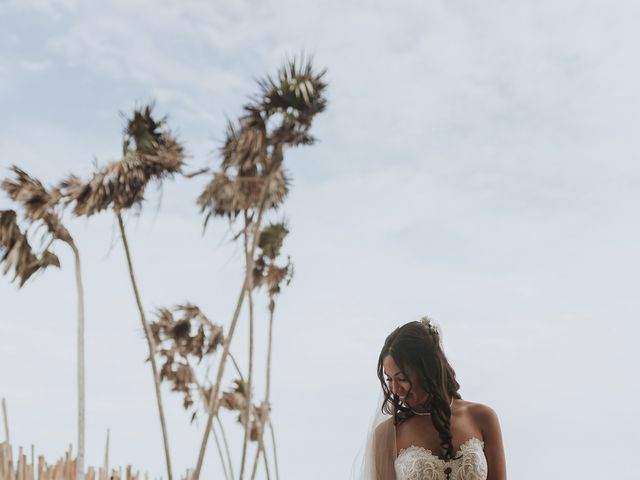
[[476, 163]]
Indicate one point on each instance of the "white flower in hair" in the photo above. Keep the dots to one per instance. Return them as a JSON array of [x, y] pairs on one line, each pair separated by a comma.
[[427, 322]]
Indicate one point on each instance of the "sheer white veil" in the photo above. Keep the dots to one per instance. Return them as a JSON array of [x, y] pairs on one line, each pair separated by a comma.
[[376, 457]]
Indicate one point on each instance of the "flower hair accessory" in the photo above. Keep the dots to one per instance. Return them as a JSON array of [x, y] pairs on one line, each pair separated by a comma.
[[427, 322]]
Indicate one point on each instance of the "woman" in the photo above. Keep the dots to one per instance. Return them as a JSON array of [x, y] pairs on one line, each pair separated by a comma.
[[432, 434]]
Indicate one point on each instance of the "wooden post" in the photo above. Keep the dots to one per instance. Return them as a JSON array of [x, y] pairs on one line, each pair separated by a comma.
[[6, 420], [106, 457]]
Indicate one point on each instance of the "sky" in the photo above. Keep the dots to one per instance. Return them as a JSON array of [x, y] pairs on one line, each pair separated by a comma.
[[477, 163]]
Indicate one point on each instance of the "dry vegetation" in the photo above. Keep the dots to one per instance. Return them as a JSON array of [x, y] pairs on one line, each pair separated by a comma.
[[187, 351]]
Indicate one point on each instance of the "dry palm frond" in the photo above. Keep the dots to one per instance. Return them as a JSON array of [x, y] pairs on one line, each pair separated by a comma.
[[296, 93], [246, 147], [291, 134], [119, 185], [166, 160], [18, 254], [56, 229], [38, 202], [228, 196], [277, 185], [34, 197]]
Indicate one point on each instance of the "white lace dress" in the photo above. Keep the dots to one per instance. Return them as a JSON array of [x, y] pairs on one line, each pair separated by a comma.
[[417, 463]]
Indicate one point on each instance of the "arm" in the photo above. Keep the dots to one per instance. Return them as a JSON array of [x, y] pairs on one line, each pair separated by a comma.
[[493, 447], [384, 443]]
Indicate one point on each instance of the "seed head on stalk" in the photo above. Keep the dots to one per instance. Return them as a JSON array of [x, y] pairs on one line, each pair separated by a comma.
[[150, 153]]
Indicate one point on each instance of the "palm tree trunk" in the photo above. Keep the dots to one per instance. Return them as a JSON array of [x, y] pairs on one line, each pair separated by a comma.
[[150, 343], [81, 377], [247, 416], [214, 403]]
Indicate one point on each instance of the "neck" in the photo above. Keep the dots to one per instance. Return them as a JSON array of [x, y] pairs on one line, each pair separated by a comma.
[[420, 412]]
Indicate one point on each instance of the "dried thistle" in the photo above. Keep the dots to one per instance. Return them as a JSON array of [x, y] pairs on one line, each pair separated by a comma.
[[296, 92], [235, 399], [271, 239], [266, 271], [183, 336], [252, 155], [149, 154]]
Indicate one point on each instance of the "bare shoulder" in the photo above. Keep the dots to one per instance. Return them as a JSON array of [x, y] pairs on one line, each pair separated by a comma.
[[384, 427], [486, 420], [483, 415]]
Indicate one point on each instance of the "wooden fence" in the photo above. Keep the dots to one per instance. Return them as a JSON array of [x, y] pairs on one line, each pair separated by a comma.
[[63, 469]]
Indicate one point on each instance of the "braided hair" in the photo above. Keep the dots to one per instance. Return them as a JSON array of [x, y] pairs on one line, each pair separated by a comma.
[[416, 347]]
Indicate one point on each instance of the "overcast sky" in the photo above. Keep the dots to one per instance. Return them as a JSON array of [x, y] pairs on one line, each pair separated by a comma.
[[478, 162]]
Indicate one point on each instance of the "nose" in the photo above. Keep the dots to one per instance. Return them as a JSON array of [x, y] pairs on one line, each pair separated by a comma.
[[397, 389]]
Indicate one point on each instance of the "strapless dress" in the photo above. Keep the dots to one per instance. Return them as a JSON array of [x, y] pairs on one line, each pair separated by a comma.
[[418, 463]]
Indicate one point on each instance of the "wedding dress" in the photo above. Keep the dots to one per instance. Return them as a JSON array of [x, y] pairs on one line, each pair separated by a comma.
[[418, 463], [382, 461]]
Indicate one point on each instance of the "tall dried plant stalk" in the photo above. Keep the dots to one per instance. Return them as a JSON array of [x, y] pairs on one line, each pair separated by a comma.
[[150, 344], [264, 417], [81, 362], [214, 403], [253, 180], [149, 153], [249, 294]]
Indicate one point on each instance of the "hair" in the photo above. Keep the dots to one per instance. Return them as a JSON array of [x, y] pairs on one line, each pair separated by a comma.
[[415, 347]]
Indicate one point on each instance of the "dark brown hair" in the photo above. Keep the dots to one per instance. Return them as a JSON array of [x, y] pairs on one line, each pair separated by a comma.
[[415, 347]]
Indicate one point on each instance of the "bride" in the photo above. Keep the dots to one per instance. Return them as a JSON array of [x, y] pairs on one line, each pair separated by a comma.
[[425, 430]]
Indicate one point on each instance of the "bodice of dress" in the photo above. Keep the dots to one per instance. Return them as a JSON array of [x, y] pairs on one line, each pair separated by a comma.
[[417, 463]]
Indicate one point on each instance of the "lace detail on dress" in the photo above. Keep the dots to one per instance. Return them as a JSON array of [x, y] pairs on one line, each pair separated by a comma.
[[417, 463]]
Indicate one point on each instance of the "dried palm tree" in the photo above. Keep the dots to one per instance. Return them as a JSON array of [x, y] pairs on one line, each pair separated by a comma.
[[39, 205], [252, 180], [149, 153]]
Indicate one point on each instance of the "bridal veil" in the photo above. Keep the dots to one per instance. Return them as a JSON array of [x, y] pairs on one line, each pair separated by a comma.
[[376, 460]]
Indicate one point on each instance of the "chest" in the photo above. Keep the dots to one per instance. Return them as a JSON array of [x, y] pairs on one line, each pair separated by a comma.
[[419, 431], [417, 463]]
